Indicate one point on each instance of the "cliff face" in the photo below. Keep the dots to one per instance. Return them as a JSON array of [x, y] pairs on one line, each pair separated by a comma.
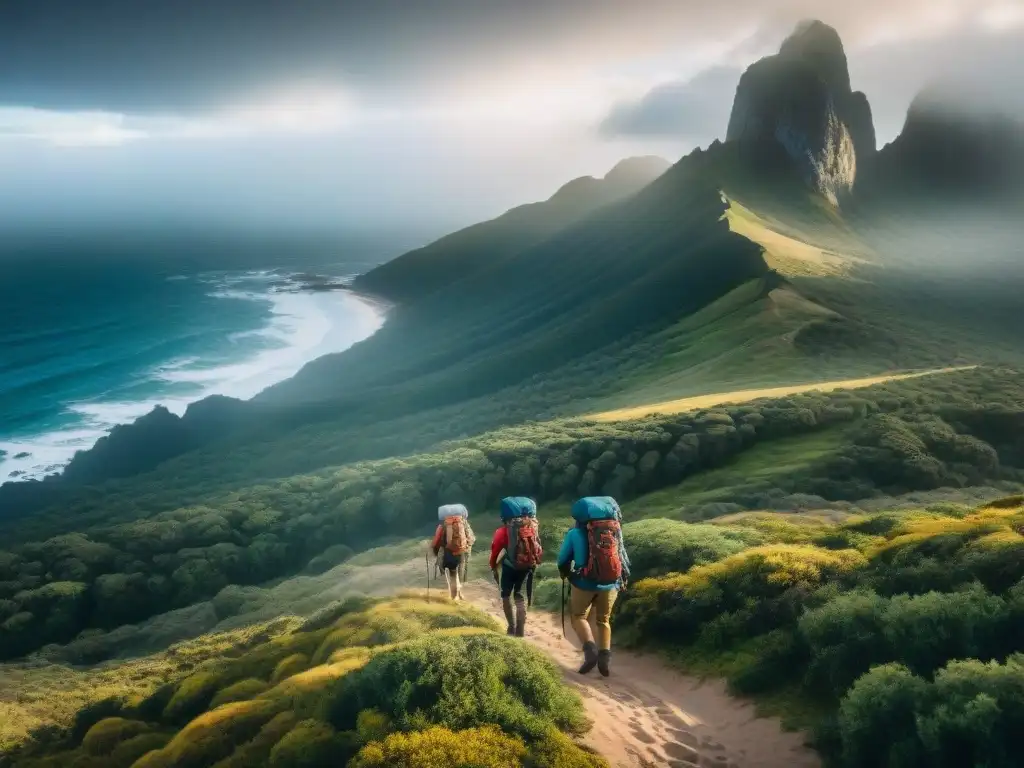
[[801, 99]]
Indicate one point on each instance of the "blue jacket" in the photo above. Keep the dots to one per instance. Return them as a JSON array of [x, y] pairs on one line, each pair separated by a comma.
[[574, 554]]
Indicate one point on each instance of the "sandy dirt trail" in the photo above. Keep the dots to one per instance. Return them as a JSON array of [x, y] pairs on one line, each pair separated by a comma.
[[746, 395], [646, 714]]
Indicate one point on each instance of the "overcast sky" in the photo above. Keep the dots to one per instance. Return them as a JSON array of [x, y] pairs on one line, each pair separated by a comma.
[[377, 112]]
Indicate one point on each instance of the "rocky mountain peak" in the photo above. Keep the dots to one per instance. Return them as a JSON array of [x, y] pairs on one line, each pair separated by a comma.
[[820, 46], [801, 99]]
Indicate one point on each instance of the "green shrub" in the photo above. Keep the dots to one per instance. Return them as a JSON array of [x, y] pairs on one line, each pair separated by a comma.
[[311, 744], [975, 715], [877, 719], [845, 637], [256, 751], [288, 666], [243, 690], [556, 750], [483, 747], [459, 682], [768, 586], [212, 736], [853, 632], [971, 715], [127, 752], [373, 725], [192, 697], [106, 734], [658, 547]]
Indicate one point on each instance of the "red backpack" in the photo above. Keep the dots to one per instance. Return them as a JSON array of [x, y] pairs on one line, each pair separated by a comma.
[[524, 550], [604, 562]]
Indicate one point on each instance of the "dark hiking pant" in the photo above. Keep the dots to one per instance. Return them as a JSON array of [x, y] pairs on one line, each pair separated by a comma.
[[512, 582]]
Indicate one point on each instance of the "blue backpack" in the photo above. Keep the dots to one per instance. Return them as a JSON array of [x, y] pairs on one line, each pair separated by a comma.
[[602, 520], [524, 551]]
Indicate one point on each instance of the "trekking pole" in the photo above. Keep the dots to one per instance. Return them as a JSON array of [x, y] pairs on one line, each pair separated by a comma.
[[529, 589], [426, 560]]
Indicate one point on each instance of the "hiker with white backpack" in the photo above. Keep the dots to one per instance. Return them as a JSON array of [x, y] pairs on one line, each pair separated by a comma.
[[453, 541], [518, 538]]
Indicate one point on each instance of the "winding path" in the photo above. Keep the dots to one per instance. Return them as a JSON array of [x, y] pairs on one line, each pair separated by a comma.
[[646, 714]]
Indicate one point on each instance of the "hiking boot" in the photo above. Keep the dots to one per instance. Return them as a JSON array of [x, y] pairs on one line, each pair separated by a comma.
[[589, 658], [520, 618], [510, 618], [603, 657]]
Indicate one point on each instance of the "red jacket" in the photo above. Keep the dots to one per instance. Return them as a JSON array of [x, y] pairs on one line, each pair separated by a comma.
[[498, 543]]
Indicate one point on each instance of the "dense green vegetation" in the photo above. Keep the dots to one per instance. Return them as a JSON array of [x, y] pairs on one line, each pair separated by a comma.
[[362, 683], [897, 634], [913, 435]]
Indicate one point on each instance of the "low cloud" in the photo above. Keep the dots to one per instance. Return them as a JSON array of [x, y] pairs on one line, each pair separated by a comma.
[[696, 109]]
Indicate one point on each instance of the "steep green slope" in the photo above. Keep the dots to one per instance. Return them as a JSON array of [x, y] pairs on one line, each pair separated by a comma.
[[364, 683], [636, 265], [456, 256]]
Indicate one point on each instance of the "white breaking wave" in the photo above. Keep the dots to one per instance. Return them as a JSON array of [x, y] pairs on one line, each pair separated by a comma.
[[302, 327]]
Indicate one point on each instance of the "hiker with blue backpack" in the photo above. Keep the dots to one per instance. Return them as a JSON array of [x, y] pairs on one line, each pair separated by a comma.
[[518, 538], [593, 558]]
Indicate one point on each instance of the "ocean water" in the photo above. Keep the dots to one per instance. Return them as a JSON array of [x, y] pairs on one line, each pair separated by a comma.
[[85, 347]]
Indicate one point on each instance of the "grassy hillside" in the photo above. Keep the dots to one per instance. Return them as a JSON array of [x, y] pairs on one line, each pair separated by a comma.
[[100, 567], [402, 682], [885, 633]]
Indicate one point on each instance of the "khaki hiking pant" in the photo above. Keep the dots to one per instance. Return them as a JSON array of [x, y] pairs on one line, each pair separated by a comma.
[[580, 603]]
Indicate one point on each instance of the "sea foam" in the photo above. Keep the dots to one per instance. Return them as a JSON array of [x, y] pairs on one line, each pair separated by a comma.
[[301, 326]]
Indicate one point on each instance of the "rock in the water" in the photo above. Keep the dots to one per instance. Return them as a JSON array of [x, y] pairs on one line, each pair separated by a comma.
[[801, 99]]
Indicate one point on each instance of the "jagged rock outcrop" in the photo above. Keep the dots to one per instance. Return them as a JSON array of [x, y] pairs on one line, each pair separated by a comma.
[[801, 99]]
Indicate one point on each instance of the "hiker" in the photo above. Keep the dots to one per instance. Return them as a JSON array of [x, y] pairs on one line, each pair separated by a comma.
[[452, 544], [593, 558], [519, 538]]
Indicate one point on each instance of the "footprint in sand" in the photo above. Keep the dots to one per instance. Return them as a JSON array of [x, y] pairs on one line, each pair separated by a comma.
[[673, 720], [642, 735], [684, 737], [679, 751]]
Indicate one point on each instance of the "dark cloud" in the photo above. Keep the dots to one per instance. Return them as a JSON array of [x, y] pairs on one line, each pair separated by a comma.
[[183, 55], [697, 109]]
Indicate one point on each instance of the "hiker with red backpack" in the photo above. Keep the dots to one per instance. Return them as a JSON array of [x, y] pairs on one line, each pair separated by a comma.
[[593, 558], [452, 544], [519, 538]]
